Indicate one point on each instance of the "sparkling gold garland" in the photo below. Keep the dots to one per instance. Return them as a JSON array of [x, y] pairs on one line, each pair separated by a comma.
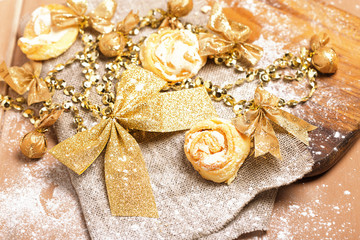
[[306, 64]]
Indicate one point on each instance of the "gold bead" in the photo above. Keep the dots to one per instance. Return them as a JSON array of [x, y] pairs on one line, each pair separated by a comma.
[[218, 60], [237, 108], [70, 90], [76, 97], [6, 104], [218, 93], [292, 103], [20, 100], [325, 60], [87, 84], [107, 111], [199, 82], [17, 106], [240, 81], [265, 77], [229, 100], [239, 68], [230, 62], [312, 73], [43, 111], [67, 106], [28, 113], [208, 85], [81, 128]]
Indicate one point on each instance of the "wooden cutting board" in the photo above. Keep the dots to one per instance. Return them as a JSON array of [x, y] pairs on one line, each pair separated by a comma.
[[335, 106]]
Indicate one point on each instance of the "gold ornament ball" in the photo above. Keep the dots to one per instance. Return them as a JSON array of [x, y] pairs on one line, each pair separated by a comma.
[[325, 60], [112, 44], [180, 8], [34, 144], [319, 40]]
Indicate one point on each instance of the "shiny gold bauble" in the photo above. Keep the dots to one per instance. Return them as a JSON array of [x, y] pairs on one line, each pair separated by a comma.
[[112, 44], [319, 40], [325, 60], [180, 8], [34, 144]]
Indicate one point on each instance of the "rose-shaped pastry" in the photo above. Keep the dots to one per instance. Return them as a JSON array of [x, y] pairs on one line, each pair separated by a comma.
[[172, 54], [216, 149], [42, 41]]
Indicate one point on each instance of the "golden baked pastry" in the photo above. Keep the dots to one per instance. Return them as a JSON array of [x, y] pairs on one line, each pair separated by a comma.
[[42, 41], [216, 149], [172, 54]]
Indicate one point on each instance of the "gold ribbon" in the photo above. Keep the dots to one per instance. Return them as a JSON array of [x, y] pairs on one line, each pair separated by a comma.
[[128, 23], [99, 19], [176, 9], [138, 105], [255, 123], [232, 38], [27, 77]]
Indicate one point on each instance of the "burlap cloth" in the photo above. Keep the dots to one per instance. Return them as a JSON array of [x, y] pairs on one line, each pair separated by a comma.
[[189, 206]]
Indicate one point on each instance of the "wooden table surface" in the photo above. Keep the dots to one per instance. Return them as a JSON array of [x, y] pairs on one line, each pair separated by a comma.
[[37, 200]]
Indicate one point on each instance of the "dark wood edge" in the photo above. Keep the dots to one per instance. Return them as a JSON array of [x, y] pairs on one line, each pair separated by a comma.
[[334, 157]]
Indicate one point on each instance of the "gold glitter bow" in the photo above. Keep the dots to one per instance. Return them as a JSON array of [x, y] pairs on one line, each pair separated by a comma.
[[98, 19], [232, 39], [255, 123], [176, 9], [138, 105], [24, 78]]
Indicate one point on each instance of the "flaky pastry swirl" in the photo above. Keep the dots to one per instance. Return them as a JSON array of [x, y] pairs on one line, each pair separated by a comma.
[[41, 40], [216, 149], [172, 54]]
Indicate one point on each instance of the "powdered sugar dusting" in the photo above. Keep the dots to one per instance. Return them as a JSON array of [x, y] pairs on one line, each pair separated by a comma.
[[37, 200]]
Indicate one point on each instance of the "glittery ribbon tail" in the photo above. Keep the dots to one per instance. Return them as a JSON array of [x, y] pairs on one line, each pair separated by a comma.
[[127, 179]]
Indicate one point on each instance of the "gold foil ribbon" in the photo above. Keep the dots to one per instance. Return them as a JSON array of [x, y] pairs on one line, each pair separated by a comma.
[[232, 38], [27, 77], [99, 19], [138, 105], [176, 9], [128, 23], [256, 123]]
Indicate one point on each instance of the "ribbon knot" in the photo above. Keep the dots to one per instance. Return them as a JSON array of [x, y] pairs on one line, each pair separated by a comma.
[[99, 19], [138, 105], [26, 78], [256, 124], [232, 39]]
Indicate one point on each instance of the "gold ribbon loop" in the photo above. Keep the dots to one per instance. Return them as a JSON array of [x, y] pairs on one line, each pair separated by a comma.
[[99, 19], [255, 123], [138, 105], [129, 23], [233, 37], [26, 78]]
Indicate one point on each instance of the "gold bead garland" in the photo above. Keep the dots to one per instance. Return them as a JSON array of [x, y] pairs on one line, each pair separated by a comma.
[[88, 58]]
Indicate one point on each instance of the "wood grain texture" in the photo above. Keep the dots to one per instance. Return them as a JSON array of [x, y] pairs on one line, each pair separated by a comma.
[[335, 106]]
